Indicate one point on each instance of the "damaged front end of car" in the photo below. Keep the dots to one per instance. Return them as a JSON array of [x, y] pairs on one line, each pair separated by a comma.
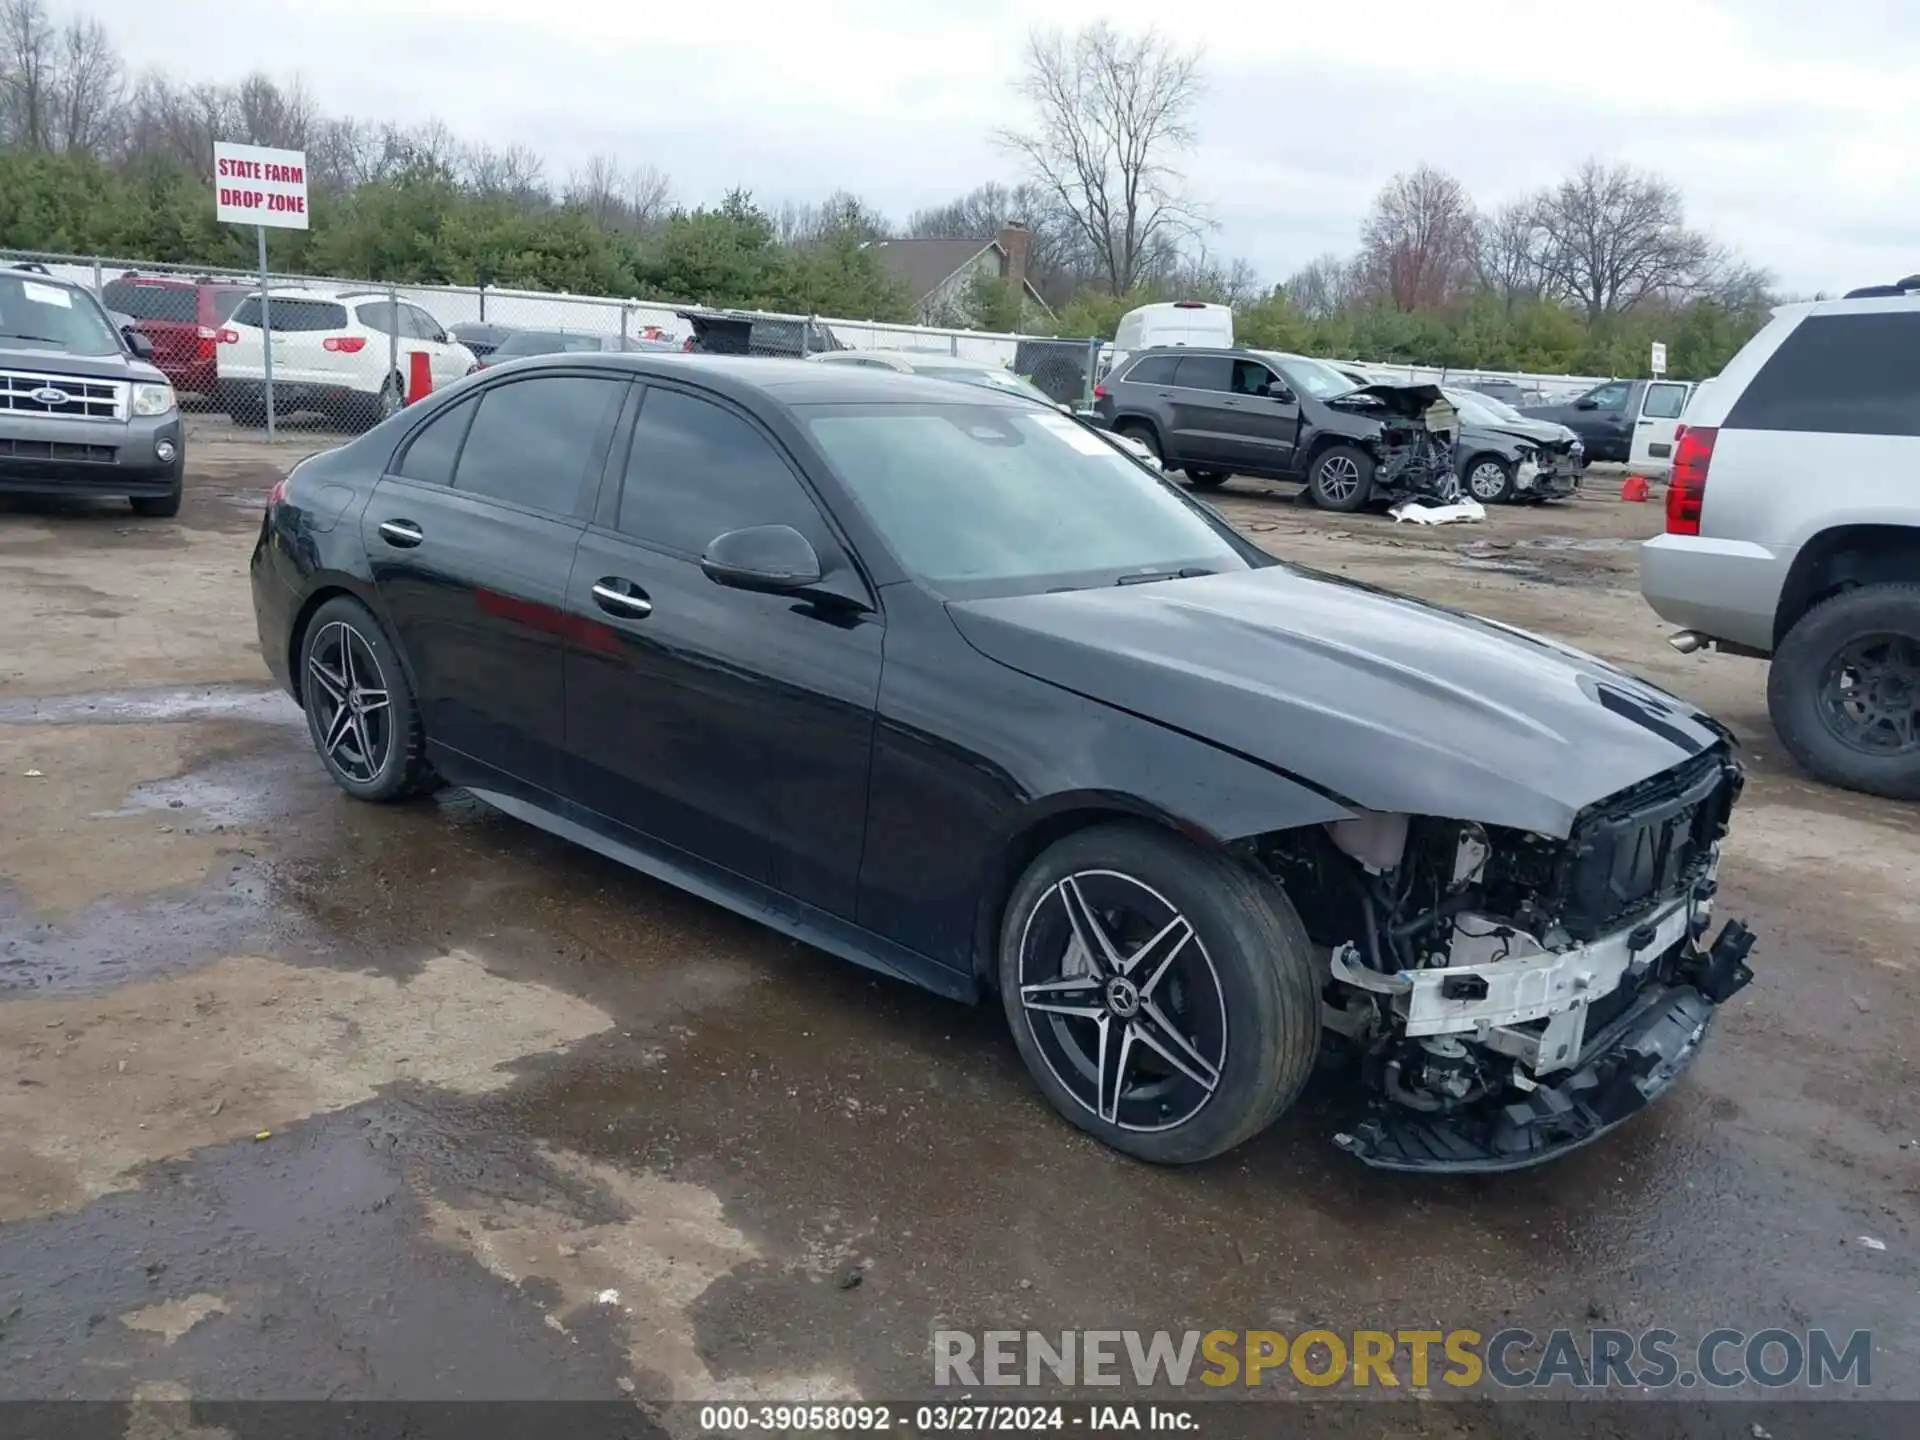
[[1511, 996], [1413, 452]]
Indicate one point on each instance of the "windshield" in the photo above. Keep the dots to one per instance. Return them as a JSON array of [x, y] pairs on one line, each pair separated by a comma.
[[987, 499], [1315, 377], [987, 378], [58, 317], [1477, 400]]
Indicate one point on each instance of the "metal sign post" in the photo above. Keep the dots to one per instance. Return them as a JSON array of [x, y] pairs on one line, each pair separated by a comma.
[[260, 186], [266, 328]]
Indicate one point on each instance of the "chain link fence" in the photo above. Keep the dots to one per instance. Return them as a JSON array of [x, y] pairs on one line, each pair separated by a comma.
[[338, 354]]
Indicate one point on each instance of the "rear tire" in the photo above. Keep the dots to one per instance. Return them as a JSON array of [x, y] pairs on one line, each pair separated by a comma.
[[1844, 690], [1208, 1037], [361, 714], [1341, 479]]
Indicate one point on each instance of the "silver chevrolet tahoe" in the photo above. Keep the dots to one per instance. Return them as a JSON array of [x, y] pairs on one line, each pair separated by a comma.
[[1793, 531], [81, 412]]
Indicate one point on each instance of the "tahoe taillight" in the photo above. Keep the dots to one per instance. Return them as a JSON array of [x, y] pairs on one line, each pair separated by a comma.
[[344, 344], [1687, 489]]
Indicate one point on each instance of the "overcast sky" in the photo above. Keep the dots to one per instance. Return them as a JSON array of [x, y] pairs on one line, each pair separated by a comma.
[[1793, 129]]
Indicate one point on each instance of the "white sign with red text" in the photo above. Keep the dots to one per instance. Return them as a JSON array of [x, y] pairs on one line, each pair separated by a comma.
[[254, 185]]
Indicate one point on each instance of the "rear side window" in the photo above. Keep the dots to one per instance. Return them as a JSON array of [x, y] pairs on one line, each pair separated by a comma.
[[150, 302], [377, 316], [1839, 374], [1204, 372], [293, 316], [225, 302], [1154, 370], [532, 441], [1664, 402], [429, 456], [696, 471]]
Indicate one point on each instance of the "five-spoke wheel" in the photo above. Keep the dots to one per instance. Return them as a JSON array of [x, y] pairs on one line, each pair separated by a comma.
[[1162, 995], [360, 712]]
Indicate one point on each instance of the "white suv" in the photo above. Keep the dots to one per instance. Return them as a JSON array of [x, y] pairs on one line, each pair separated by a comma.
[[1793, 530], [346, 354]]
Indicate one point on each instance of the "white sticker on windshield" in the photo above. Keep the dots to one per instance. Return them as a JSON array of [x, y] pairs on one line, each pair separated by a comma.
[[46, 294], [1080, 438]]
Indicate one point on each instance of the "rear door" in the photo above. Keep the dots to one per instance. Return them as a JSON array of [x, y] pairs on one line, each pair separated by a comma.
[[471, 536], [734, 727], [1661, 406], [1203, 411]]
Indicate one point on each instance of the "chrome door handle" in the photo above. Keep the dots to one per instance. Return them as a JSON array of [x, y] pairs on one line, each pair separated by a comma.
[[615, 601], [403, 533]]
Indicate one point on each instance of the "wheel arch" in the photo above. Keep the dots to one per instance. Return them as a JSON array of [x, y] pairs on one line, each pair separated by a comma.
[[1840, 559], [1140, 420], [331, 589], [1325, 440]]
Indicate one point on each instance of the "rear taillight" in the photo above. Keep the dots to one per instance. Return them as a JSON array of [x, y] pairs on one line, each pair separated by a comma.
[[207, 332], [1687, 489], [228, 337], [277, 493], [1099, 392], [688, 346], [344, 344]]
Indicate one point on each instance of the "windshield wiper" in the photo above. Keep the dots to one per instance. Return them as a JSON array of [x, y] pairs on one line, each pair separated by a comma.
[[43, 339], [1185, 572]]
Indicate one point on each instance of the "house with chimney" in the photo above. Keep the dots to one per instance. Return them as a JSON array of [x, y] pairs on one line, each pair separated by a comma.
[[941, 273]]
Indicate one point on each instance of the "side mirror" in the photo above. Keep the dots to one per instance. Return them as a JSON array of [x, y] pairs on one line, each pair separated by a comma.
[[1281, 391], [770, 559], [1586, 402], [139, 344]]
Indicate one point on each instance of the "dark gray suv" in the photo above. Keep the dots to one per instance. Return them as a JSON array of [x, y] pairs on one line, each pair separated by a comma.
[[81, 413], [1215, 413]]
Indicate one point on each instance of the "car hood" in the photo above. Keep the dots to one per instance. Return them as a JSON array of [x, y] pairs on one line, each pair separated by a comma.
[[1379, 700], [45, 360], [1540, 432]]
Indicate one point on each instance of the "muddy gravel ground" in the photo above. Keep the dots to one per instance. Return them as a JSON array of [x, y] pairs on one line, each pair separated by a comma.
[[307, 1099]]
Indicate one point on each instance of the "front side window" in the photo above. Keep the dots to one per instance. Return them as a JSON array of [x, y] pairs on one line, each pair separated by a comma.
[[1611, 396], [532, 441], [1250, 377], [1664, 402], [987, 499], [696, 470]]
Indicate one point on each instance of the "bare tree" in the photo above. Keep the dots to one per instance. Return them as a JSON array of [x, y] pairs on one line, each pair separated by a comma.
[[1110, 114], [842, 212], [1610, 236], [1322, 286], [1418, 242], [1219, 282], [343, 153], [1506, 243], [513, 171], [89, 89], [28, 63], [618, 198]]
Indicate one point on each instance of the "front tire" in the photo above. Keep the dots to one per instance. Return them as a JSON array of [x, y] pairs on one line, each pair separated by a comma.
[[1207, 479], [1844, 690], [160, 507], [1341, 479], [361, 714], [1162, 996], [1489, 479]]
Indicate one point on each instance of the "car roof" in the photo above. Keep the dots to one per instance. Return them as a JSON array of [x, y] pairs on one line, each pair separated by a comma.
[[299, 292], [781, 380]]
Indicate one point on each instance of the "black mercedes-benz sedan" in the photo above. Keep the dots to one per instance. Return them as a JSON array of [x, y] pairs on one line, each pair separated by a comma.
[[946, 684]]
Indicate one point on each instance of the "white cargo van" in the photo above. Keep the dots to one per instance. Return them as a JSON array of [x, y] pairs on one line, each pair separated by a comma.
[[1172, 322]]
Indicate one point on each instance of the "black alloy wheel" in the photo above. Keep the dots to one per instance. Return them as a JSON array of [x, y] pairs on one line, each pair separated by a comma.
[[360, 712]]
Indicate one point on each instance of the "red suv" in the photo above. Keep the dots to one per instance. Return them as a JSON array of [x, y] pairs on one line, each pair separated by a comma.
[[182, 316]]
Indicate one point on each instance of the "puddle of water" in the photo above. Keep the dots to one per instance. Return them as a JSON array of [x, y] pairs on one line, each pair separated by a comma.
[[241, 791], [1503, 567], [131, 707], [1610, 543]]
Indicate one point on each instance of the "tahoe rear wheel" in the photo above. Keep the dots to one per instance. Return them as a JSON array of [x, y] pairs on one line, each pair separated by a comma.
[[1162, 995], [1844, 690], [360, 710]]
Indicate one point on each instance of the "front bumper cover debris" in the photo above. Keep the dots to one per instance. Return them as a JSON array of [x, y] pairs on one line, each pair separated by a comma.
[[1631, 1063]]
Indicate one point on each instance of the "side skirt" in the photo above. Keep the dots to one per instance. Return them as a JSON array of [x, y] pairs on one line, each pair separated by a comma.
[[778, 912]]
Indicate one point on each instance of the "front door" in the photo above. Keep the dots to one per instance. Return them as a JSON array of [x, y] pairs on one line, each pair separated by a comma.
[[1262, 426], [471, 539], [1656, 425], [735, 727]]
